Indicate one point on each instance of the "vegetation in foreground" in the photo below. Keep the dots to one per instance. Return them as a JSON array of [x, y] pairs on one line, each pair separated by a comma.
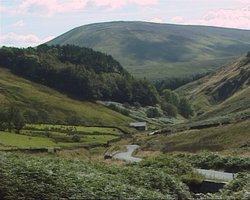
[[33, 177], [49, 177]]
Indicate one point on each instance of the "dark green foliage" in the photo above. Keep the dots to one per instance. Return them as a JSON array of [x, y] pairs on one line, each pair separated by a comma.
[[174, 83], [73, 120], [185, 108], [171, 97], [153, 113], [11, 118], [76, 138], [218, 162], [79, 72], [169, 109]]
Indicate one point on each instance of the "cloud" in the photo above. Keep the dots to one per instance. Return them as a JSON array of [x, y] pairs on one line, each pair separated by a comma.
[[50, 7], [235, 18], [156, 20], [19, 23], [13, 39], [177, 19], [114, 4]]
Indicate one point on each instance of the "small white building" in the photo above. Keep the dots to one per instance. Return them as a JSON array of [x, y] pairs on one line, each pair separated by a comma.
[[141, 126]]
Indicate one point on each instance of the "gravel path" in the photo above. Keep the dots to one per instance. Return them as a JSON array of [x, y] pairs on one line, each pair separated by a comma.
[[127, 156]]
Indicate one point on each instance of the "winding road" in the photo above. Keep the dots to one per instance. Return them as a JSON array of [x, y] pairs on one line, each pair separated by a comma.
[[127, 156], [209, 174]]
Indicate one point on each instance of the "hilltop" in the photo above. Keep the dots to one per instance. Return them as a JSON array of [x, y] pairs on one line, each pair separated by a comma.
[[157, 51]]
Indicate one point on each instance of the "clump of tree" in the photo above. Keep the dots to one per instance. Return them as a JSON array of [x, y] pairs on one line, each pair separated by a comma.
[[176, 82], [80, 72], [172, 104], [153, 113], [11, 118]]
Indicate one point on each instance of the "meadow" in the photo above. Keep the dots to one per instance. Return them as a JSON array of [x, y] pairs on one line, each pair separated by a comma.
[[52, 136]]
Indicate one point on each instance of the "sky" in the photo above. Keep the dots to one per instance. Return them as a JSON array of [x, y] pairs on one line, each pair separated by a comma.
[[26, 23]]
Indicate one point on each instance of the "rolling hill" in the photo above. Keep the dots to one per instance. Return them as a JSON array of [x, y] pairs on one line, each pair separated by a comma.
[[157, 51]]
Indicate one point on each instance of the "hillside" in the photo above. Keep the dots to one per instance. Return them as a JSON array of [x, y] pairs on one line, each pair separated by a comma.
[[157, 51], [226, 92], [52, 106], [78, 72]]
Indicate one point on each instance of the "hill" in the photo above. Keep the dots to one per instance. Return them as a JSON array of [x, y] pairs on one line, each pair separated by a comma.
[[157, 51], [52, 106], [79, 72], [223, 93]]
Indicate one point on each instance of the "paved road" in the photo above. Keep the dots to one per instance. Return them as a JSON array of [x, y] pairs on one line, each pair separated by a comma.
[[127, 156], [211, 174]]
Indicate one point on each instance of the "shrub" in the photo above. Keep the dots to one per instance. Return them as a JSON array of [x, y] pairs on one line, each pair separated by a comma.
[[153, 113], [76, 138]]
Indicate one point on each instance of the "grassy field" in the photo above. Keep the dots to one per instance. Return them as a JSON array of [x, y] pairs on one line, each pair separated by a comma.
[[47, 135], [27, 141], [52, 105]]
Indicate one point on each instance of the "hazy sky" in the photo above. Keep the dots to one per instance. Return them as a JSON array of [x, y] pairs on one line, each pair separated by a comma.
[[31, 22]]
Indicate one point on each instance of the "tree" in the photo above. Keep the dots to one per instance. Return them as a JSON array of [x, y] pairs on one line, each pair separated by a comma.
[[169, 109], [153, 113], [18, 122], [171, 97], [3, 120], [185, 108]]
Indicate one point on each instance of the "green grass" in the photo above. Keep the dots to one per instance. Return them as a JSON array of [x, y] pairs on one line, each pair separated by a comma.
[[84, 129], [23, 141], [228, 137], [58, 107], [55, 140]]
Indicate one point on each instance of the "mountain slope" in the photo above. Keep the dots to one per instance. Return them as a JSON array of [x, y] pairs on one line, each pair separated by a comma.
[[52, 105], [161, 50], [79, 72], [225, 92]]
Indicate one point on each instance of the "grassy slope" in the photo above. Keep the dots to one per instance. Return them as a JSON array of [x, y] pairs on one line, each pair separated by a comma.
[[202, 92], [30, 96], [227, 137], [161, 50]]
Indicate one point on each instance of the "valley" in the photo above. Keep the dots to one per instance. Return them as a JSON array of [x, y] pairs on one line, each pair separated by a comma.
[[66, 114]]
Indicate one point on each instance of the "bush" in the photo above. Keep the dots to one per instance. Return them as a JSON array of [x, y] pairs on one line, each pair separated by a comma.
[[76, 138], [153, 113], [169, 109]]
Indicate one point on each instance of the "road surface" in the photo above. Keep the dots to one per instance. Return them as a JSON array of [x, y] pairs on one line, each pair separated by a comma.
[[127, 156], [211, 174]]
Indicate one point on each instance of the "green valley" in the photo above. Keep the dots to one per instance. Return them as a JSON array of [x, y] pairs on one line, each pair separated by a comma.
[[66, 113]]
